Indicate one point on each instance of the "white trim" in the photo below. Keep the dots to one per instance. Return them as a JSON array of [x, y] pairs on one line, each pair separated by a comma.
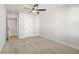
[[61, 42], [28, 36]]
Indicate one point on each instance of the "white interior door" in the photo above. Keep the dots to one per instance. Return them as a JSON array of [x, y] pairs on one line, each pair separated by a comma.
[[25, 25]]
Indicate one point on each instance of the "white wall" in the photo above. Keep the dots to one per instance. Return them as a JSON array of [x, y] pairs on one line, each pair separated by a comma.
[[62, 25], [28, 25], [2, 26], [11, 15], [35, 24]]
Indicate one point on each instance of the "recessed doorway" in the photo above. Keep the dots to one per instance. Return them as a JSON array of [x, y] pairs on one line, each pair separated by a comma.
[[11, 28]]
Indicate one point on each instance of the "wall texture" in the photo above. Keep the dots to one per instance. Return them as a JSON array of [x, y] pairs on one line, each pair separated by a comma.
[[2, 26], [62, 25]]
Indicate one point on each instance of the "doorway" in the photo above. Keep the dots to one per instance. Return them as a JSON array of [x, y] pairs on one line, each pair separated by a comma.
[[11, 28]]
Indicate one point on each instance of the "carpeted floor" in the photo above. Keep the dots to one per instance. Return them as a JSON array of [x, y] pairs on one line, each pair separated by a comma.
[[36, 45]]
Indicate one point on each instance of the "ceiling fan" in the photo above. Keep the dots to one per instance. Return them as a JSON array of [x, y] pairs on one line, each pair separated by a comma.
[[34, 9]]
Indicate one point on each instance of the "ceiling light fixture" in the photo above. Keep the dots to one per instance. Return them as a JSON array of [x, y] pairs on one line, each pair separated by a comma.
[[34, 11]]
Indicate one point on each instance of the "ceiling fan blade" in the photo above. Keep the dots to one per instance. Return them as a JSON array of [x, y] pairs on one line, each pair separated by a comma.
[[41, 9], [30, 12], [27, 8]]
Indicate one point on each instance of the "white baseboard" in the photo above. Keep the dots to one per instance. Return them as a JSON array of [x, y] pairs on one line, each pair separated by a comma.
[[61, 42], [29, 36]]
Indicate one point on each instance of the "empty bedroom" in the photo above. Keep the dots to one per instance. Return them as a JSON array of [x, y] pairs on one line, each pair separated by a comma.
[[39, 28]]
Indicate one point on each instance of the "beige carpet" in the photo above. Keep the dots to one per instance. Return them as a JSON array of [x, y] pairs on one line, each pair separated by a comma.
[[36, 45]]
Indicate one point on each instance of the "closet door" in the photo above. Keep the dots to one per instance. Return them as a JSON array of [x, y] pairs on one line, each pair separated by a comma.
[[25, 25]]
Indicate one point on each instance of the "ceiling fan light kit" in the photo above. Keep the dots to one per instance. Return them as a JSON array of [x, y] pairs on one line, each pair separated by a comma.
[[34, 11]]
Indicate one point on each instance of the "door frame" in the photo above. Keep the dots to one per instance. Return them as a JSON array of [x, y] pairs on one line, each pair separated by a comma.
[[17, 28]]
